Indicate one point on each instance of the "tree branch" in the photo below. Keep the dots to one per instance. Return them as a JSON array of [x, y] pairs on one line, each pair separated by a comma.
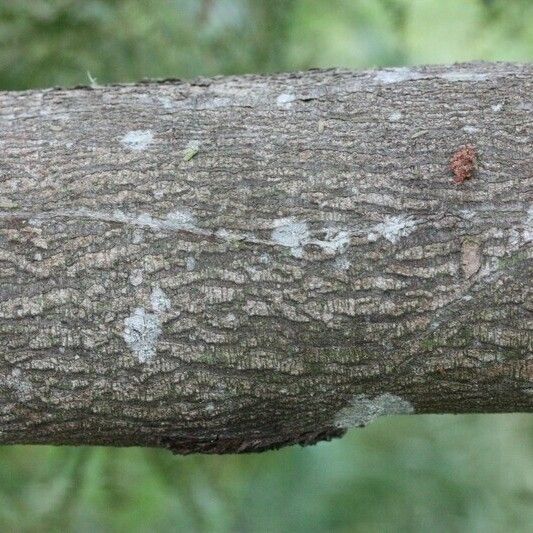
[[235, 264]]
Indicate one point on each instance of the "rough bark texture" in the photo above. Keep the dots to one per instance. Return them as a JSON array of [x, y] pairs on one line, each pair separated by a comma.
[[235, 264]]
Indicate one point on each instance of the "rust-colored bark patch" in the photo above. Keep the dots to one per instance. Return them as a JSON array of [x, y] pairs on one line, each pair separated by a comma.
[[463, 163]]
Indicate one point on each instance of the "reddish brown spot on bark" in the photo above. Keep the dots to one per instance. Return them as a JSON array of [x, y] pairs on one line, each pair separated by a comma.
[[463, 163]]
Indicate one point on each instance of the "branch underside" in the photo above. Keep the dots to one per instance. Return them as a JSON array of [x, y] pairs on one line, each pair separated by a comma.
[[236, 264]]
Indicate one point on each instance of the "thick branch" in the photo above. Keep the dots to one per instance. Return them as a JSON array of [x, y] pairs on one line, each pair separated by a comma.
[[235, 264]]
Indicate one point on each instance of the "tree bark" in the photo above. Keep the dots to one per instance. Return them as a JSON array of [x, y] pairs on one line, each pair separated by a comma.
[[239, 263]]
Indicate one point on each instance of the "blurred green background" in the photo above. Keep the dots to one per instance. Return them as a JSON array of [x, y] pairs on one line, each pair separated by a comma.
[[432, 473]]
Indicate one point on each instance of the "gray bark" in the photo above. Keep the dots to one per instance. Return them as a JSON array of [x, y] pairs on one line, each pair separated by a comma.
[[235, 264]]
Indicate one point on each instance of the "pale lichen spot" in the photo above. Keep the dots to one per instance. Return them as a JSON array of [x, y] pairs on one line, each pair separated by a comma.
[[470, 129], [496, 108], [138, 236], [362, 409], [396, 75], [180, 219], [464, 75], [334, 241], [137, 140], [159, 300], [291, 233], [141, 331], [285, 100], [190, 264], [395, 116], [222, 234], [166, 102], [393, 228], [136, 277], [342, 263]]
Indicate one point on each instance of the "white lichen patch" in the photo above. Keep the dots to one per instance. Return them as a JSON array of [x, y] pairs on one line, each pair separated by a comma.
[[136, 277], [396, 75], [180, 219], [137, 140], [393, 228], [295, 234], [342, 263], [470, 129], [138, 236], [394, 116], [166, 102], [363, 410], [159, 300], [285, 100], [496, 108], [141, 331], [291, 233], [334, 241], [190, 264], [463, 75]]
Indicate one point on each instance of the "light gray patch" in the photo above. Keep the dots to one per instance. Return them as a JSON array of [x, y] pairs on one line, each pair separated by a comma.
[[136, 277], [395, 116], [166, 102], [180, 219], [285, 100], [396, 75], [138, 236], [334, 241], [190, 263], [463, 76], [393, 228], [342, 263], [159, 300], [291, 233], [363, 410], [137, 140], [141, 331]]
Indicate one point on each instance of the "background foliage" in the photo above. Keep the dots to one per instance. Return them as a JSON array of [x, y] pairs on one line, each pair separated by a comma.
[[433, 473]]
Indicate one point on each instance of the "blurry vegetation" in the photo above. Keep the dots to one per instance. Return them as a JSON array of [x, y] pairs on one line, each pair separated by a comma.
[[428, 474], [56, 42]]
